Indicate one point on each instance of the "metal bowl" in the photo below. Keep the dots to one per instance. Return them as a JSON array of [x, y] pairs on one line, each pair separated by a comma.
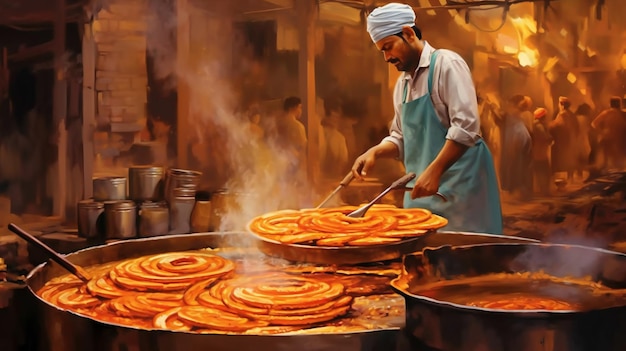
[[69, 331], [438, 320]]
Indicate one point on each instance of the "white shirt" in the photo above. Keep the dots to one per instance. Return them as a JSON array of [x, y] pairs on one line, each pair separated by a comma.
[[453, 95]]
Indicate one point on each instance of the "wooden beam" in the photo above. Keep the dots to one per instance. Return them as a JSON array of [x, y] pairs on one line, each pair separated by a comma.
[[40, 12], [89, 108], [33, 51], [60, 110], [182, 58], [307, 13]]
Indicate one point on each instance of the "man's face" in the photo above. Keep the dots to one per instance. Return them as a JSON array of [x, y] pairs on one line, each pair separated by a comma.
[[399, 53], [297, 111]]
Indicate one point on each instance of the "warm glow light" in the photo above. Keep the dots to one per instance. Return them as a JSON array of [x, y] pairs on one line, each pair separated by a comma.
[[583, 91], [526, 27], [509, 49], [571, 77], [623, 61], [528, 58]]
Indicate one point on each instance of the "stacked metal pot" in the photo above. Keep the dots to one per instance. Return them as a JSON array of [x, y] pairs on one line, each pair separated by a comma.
[[149, 202]]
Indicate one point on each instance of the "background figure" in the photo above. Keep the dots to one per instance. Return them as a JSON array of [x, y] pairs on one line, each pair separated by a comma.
[[292, 142], [526, 114], [335, 158], [515, 165], [542, 141], [583, 116], [254, 129], [610, 126], [564, 129]]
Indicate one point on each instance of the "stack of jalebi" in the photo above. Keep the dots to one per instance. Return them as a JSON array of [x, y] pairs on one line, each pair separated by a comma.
[[198, 292], [382, 224]]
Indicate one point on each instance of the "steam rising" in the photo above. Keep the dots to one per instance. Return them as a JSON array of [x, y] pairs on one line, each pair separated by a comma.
[[257, 168]]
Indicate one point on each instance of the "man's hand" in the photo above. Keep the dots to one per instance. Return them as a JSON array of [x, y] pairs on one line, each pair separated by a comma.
[[363, 163], [366, 161], [427, 183]]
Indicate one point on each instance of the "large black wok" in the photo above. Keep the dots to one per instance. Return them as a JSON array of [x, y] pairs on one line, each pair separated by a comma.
[[438, 284], [66, 331]]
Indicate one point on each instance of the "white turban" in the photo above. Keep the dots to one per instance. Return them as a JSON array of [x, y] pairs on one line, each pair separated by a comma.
[[389, 20]]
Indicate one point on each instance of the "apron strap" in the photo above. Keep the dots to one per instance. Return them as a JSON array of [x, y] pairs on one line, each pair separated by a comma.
[[404, 90], [431, 70]]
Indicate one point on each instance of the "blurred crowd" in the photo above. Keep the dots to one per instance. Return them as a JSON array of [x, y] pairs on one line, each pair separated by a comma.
[[537, 152]]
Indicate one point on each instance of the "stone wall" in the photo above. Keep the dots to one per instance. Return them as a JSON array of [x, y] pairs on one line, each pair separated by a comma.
[[121, 79]]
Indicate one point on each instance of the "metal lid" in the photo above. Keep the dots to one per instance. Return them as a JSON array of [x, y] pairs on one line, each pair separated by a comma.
[[145, 169], [151, 204], [183, 172], [154, 209], [110, 179], [89, 203], [119, 205], [184, 192]]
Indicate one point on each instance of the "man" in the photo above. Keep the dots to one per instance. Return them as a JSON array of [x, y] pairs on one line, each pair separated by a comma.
[[610, 126], [542, 141], [565, 130], [290, 152], [516, 143], [435, 130], [291, 130]]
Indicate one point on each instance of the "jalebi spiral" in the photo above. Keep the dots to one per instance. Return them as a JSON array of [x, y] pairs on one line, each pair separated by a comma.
[[523, 303], [382, 224], [198, 292]]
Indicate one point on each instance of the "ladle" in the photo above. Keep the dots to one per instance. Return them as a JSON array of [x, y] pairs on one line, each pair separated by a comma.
[[55, 256], [400, 183]]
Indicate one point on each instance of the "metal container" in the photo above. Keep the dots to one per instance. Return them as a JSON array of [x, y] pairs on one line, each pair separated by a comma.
[[145, 183], [178, 178], [442, 324], [201, 214], [154, 219], [121, 219], [109, 188], [374, 253], [181, 206], [68, 331], [90, 219]]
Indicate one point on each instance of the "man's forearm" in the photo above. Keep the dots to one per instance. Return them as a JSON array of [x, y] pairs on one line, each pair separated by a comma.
[[386, 149], [449, 154]]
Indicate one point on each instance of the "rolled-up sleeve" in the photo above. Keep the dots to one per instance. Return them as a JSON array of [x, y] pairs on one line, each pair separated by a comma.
[[395, 129], [457, 92]]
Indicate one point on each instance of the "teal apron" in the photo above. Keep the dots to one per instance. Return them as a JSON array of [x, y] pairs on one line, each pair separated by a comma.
[[470, 185]]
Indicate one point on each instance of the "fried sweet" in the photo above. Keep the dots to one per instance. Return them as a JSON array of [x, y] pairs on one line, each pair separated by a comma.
[[331, 227]]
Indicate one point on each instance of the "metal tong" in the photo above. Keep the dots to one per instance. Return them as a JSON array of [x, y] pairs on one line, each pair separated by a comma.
[[55, 256], [400, 183], [438, 194], [344, 183]]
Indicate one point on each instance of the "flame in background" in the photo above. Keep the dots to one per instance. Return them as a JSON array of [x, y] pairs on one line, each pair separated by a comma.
[[526, 27]]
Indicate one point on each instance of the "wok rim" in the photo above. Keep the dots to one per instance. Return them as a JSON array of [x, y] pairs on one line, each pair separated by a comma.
[[536, 313]]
